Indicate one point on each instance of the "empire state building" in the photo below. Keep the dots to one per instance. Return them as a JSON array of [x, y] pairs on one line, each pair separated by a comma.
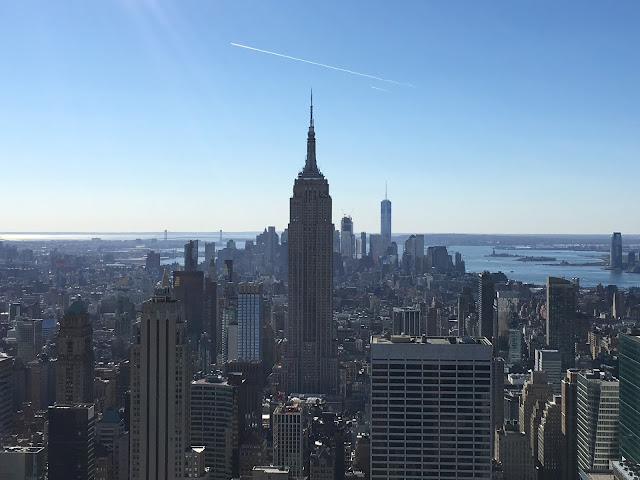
[[310, 363]]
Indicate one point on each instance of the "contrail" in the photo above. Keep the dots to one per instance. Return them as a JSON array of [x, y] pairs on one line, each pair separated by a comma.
[[378, 88], [323, 65]]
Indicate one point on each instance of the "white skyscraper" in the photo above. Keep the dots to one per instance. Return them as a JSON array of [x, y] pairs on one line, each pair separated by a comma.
[[598, 429], [249, 321], [159, 390], [430, 408]]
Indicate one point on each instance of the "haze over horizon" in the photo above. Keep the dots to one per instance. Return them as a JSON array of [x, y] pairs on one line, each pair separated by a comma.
[[142, 116]]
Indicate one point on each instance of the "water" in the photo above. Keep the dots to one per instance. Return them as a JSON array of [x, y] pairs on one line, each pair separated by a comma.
[[475, 257], [537, 272]]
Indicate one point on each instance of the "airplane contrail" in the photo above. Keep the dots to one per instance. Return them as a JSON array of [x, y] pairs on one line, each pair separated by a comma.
[[324, 65], [378, 88]]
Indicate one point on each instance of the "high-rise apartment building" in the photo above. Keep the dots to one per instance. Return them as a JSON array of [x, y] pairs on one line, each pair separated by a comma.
[[561, 319], [486, 297], [598, 416], [159, 390], [431, 408], [75, 364], [289, 425], [629, 359], [615, 258], [385, 220], [72, 438], [250, 313], [363, 244], [29, 335], [550, 362], [214, 424], [310, 363], [112, 441]]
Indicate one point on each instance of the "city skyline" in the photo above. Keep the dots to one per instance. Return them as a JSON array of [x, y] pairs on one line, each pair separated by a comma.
[[130, 103]]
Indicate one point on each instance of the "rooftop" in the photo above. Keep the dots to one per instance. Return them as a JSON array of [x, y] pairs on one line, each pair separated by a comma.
[[430, 340]]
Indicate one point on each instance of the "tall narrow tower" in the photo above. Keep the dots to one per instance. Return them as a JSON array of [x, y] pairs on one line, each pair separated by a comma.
[[385, 219], [310, 364], [159, 390]]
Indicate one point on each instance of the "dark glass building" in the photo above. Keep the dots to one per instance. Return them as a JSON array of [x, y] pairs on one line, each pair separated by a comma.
[[615, 260], [561, 319], [629, 358], [72, 436]]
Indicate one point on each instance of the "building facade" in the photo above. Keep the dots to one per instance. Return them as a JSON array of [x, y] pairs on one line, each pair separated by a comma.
[[250, 313], [629, 357], [615, 257], [159, 390], [598, 416], [72, 442], [310, 363], [289, 438], [385, 221], [561, 319], [431, 408], [75, 364]]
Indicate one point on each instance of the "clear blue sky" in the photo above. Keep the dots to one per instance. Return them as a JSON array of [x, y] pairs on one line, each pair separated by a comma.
[[141, 115]]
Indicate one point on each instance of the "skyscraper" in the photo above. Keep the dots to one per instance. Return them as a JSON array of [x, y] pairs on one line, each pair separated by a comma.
[[561, 319], [347, 239], [385, 220], [310, 363], [289, 438], [615, 260], [29, 333], [72, 438], [159, 390], [431, 408], [250, 312], [598, 432], [191, 256], [74, 367], [486, 296], [630, 397], [550, 361], [188, 289]]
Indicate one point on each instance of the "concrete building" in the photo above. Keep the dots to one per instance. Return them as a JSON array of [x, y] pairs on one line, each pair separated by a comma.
[[486, 297], [29, 336], [75, 364], [22, 463], [569, 424], [250, 321], [159, 390], [112, 443], [310, 357], [6, 394], [72, 438], [512, 451], [214, 424], [598, 416], [407, 321], [270, 473], [561, 319], [536, 389], [431, 408], [550, 439], [629, 358], [550, 362], [289, 434]]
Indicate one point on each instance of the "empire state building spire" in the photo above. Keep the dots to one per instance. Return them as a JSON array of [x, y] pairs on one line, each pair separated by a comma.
[[310, 167]]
